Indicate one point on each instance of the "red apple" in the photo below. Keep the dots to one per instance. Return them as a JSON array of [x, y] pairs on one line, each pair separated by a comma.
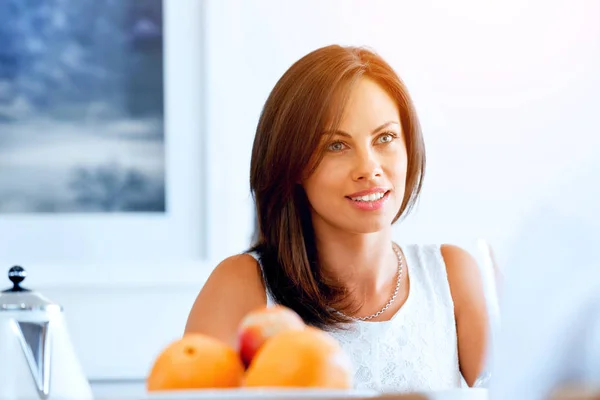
[[260, 325]]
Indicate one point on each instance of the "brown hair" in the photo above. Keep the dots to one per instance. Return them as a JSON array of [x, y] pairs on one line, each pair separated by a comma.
[[304, 103]]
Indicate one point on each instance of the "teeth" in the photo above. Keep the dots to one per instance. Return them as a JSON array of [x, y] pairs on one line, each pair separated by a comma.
[[369, 197]]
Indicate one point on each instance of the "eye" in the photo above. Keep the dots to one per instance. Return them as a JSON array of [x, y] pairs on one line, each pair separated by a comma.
[[336, 146], [387, 137]]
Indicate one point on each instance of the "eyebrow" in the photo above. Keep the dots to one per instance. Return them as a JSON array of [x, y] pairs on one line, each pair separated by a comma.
[[374, 131]]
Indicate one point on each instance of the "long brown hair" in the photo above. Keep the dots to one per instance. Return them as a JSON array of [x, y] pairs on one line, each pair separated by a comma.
[[307, 100]]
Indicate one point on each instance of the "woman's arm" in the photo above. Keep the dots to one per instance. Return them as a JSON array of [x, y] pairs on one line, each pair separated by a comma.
[[232, 290], [470, 310]]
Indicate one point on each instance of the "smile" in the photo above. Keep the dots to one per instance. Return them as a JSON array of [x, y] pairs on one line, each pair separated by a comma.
[[369, 202], [369, 197]]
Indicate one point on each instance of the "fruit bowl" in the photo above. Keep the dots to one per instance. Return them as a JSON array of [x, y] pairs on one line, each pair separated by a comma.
[[261, 393], [275, 350], [277, 357]]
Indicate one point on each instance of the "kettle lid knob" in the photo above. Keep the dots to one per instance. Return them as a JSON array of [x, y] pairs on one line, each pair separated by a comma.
[[18, 298], [16, 275]]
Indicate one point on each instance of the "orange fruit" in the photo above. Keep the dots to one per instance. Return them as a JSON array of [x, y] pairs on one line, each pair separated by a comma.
[[309, 358], [196, 361]]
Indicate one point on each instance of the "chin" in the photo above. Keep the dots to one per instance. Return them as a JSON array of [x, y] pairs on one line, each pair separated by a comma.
[[356, 224], [366, 227]]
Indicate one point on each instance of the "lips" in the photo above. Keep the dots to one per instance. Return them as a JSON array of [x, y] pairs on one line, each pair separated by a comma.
[[371, 199], [371, 194]]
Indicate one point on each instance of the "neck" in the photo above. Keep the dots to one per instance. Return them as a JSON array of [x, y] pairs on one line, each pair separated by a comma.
[[363, 263]]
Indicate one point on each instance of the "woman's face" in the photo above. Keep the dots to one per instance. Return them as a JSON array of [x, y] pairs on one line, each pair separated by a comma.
[[359, 185]]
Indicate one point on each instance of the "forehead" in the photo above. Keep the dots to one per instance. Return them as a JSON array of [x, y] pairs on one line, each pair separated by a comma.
[[368, 106]]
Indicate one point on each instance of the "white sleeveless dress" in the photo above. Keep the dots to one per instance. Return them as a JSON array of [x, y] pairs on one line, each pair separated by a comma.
[[417, 348]]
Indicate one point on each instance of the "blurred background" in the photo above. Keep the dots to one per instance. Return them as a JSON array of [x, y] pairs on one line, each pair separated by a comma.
[[125, 138]]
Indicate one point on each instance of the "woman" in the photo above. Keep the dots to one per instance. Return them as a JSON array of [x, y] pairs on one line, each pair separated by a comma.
[[338, 158]]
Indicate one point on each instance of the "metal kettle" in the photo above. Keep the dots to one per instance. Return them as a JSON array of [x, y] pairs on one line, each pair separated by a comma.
[[37, 358]]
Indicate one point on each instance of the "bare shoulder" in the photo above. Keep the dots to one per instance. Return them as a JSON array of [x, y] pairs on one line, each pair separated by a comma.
[[464, 277], [461, 266], [470, 309], [240, 272], [234, 288]]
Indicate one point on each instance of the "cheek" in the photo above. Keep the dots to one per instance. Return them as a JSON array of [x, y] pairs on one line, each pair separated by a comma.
[[402, 168], [398, 166], [324, 181]]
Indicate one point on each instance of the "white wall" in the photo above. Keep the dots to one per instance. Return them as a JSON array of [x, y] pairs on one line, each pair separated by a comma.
[[498, 87], [506, 92]]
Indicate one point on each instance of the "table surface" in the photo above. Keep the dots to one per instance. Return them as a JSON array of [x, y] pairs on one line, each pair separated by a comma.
[[112, 390]]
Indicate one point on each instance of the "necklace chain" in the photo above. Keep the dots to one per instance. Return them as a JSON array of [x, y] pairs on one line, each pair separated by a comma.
[[392, 299]]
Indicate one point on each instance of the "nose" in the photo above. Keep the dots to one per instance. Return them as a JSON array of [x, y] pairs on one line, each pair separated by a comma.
[[367, 166]]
